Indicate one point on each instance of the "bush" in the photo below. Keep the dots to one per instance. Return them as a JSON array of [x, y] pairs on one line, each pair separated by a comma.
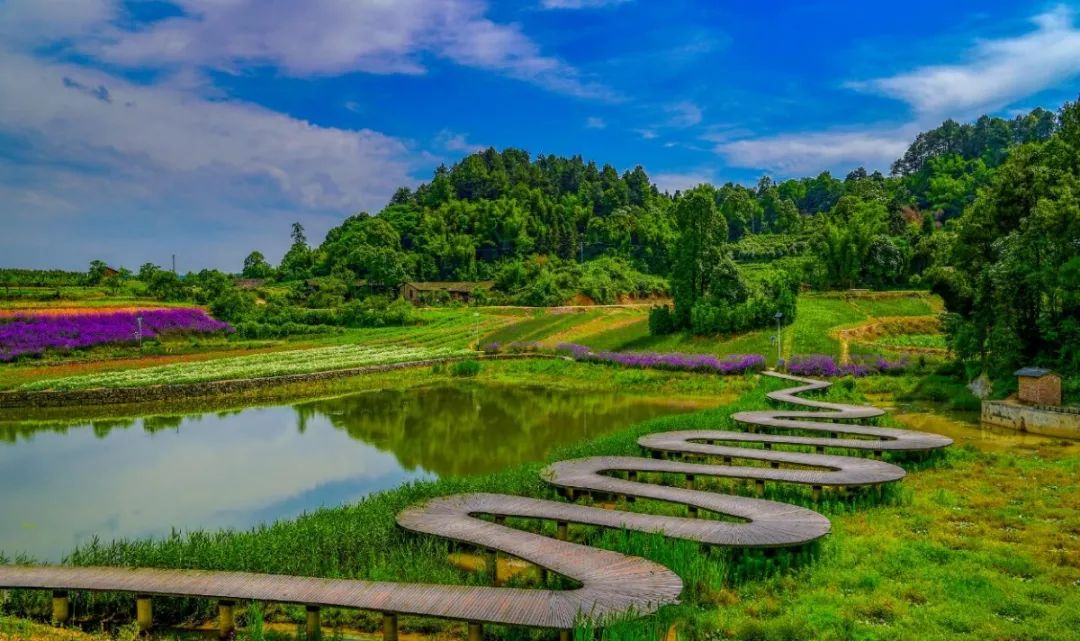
[[465, 368], [661, 320], [255, 329], [232, 305], [377, 312]]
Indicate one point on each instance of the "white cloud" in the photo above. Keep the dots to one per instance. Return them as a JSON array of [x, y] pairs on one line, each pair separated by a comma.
[[647, 134], [340, 36], [808, 153], [595, 122], [81, 115], [998, 72], [675, 181], [683, 114], [457, 142], [92, 147], [580, 4], [29, 22]]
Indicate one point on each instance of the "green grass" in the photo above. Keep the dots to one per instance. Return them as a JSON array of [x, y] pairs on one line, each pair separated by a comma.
[[816, 315], [915, 304], [537, 328], [974, 546], [935, 341], [252, 366]]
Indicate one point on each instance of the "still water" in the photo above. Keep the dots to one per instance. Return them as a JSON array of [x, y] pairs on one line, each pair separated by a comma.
[[62, 485]]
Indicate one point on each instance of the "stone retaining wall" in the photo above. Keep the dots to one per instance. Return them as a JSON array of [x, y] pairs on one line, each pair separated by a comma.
[[1062, 421], [150, 393]]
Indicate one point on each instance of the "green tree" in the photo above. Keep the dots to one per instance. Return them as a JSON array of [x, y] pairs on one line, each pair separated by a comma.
[[256, 266], [297, 262], [699, 251]]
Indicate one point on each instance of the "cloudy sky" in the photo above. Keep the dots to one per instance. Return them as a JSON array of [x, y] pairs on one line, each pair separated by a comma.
[[130, 131]]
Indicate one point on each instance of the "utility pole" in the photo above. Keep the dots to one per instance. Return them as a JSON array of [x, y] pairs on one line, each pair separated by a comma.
[[779, 315], [174, 263]]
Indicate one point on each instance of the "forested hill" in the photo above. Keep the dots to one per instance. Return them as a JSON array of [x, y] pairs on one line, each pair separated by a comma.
[[494, 208], [984, 213]]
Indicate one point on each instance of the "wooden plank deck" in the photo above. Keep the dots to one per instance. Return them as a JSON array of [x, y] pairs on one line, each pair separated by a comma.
[[612, 584]]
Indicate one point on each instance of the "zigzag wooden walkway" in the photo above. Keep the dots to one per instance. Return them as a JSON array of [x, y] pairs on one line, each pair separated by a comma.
[[612, 584]]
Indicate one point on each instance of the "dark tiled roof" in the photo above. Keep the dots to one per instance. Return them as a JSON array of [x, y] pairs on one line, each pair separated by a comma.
[[460, 286], [1035, 372]]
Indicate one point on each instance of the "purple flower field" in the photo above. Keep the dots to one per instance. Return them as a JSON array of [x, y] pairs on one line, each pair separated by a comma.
[[822, 365], [733, 364], [29, 335]]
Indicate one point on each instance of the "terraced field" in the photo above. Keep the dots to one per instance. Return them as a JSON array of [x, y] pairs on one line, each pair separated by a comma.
[[819, 328]]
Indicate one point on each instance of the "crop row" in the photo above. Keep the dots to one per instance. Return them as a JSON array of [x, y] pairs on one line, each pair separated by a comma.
[[304, 361]]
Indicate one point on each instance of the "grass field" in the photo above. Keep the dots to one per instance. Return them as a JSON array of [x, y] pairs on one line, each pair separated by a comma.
[[977, 544], [818, 319], [443, 331]]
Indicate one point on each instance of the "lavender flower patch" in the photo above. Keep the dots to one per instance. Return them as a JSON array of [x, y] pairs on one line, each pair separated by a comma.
[[735, 364], [823, 365], [27, 335]]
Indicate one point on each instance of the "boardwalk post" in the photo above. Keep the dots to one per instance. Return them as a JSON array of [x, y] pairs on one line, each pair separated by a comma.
[[759, 487], [820, 449], [689, 481], [816, 493], [389, 626], [313, 624], [561, 530], [476, 631], [566, 635], [226, 619], [144, 613], [61, 607], [491, 562]]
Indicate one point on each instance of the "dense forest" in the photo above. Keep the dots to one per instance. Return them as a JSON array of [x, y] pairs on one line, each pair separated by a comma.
[[985, 214]]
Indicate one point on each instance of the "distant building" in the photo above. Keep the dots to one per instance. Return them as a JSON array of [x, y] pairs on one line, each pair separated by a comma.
[[110, 272], [425, 292], [1039, 386], [249, 283]]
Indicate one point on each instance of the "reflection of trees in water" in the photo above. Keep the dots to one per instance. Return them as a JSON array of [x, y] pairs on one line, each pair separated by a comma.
[[446, 430], [456, 431], [12, 432]]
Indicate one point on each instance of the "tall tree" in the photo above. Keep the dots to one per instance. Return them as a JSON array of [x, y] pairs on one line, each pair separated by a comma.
[[702, 235]]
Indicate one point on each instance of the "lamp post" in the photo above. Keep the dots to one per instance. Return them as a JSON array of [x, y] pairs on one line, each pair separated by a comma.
[[779, 315]]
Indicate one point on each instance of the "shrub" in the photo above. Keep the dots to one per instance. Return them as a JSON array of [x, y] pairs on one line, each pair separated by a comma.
[[465, 368], [661, 320]]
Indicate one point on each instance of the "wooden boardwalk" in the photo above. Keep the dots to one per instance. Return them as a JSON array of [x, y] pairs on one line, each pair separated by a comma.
[[611, 584]]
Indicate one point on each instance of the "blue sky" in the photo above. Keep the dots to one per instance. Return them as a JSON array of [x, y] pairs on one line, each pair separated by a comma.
[[130, 131]]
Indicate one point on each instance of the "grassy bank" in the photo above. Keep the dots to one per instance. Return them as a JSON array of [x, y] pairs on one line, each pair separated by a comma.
[[975, 545], [553, 374]]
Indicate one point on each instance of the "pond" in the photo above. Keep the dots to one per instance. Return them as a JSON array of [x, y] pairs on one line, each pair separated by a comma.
[[63, 484]]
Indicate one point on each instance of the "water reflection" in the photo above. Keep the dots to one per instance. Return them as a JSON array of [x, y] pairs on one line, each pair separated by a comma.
[[67, 483]]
